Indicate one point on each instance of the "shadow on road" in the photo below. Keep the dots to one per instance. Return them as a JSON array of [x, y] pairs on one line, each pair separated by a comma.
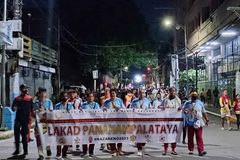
[[17, 157]]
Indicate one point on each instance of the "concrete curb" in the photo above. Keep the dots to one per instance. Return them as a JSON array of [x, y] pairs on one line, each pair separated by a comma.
[[6, 134]]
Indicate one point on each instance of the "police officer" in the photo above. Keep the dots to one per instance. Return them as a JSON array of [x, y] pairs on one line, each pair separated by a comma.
[[23, 105]]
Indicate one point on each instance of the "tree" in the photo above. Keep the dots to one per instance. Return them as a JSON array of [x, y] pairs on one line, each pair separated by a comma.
[[187, 78], [112, 59]]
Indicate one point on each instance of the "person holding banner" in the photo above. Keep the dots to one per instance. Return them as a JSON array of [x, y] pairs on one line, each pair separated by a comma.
[[157, 103], [142, 103], [76, 103], [102, 100], [72, 94], [44, 104], [114, 103], [89, 105], [63, 105], [173, 102], [195, 112]]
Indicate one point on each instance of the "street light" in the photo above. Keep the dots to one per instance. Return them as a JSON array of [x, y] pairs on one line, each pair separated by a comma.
[[126, 68], [168, 22], [138, 78]]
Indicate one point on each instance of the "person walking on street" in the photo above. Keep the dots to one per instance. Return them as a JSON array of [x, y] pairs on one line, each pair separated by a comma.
[[23, 105], [89, 105], [215, 95], [202, 95], [173, 102], [209, 97], [142, 103], [225, 104], [236, 109], [184, 100], [195, 112], [114, 103]]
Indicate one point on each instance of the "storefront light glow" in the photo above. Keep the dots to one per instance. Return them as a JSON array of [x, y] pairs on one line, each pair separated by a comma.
[[229, 33]]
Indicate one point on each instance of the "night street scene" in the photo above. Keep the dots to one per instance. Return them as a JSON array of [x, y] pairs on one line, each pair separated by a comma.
[[120, 79]]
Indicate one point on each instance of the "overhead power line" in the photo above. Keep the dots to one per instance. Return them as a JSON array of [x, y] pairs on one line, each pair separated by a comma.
[[111, 46], [76, 49]]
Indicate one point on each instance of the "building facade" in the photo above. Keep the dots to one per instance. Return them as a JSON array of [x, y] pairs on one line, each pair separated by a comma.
[[34, 65], [213, 34]]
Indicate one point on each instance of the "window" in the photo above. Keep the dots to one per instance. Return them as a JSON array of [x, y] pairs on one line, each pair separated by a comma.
[[238, 44], [216, 52], [215, 71], [235, 46], [229, 48]]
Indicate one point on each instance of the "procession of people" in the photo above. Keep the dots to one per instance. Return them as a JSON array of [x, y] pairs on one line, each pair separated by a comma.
[[193, 111]]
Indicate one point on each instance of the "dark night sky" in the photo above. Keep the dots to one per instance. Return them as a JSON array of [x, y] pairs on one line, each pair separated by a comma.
[[94, 22], [153, 11]]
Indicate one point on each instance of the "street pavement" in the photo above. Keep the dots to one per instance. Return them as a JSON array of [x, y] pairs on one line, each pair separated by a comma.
[[223, 145]]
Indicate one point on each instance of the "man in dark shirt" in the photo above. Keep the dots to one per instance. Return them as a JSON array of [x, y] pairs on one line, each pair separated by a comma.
[[23, 105]]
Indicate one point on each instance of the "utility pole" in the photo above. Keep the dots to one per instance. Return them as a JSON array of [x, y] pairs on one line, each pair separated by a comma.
[[186, 55], [175, 61], [59, 56], [3, 78], [121, 77], [17, 9], [196, 69]]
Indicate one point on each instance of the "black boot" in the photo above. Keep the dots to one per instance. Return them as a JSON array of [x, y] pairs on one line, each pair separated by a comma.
[[16, 152]]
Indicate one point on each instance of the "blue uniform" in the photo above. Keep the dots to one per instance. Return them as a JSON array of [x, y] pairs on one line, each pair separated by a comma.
[[193, 111], [157, 103], [141, 103], [61, 106], [111, 104], [46, 104], [93, 105]]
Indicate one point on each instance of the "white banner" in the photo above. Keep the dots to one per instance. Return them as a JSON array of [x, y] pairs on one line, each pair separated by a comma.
[[124, 126], [6, 30]]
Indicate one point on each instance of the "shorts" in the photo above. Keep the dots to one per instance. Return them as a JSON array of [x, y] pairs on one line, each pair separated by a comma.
[[225, 114]]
